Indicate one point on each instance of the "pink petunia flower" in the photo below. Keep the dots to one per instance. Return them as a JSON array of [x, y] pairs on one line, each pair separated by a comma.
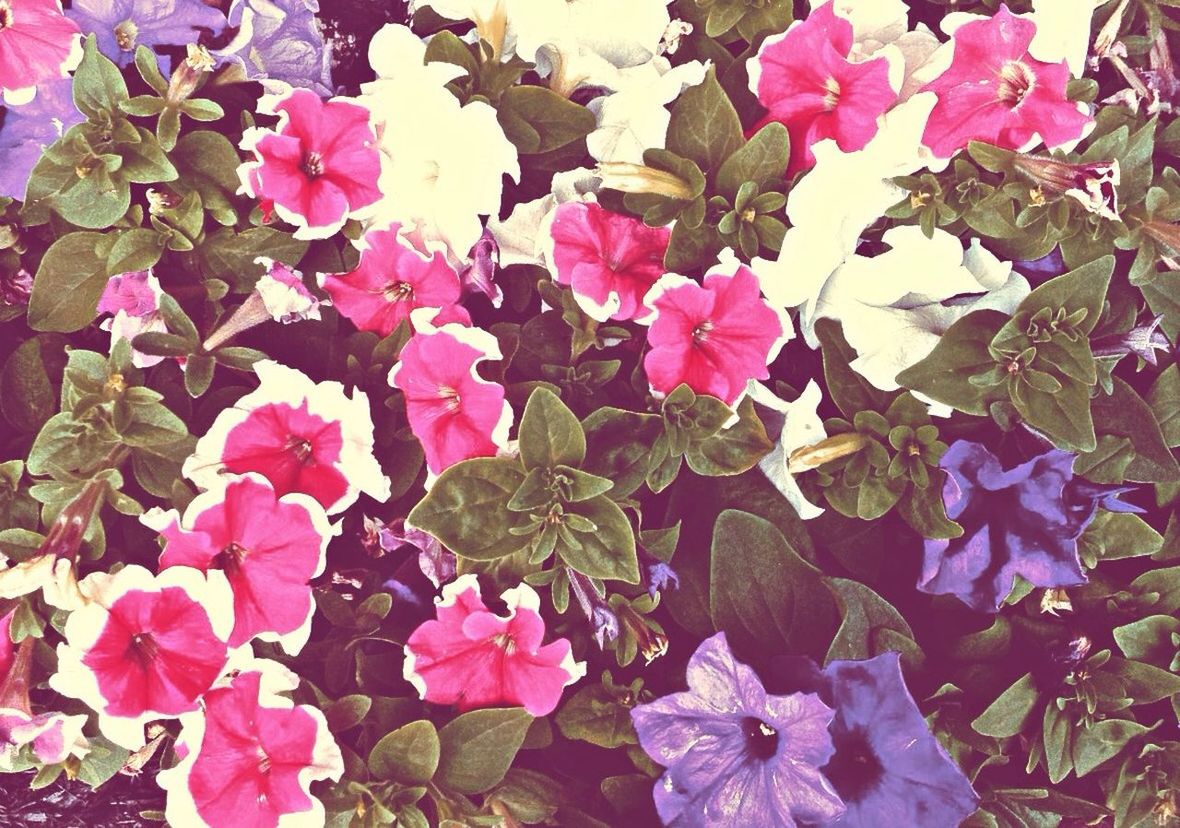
[[146, 646], [609, 259], [454, 413], [38, 43], [714, 337], [268, 547], [995, 91], [470, 657], [283, 293], [319, 167], [134, 301], [248, 760], [53, 737], [804, 77], [392, 279], [300, 435]]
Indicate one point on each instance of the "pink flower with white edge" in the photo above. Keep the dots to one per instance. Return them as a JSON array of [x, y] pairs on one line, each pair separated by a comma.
[[300, 435], [283, 293], [609, 259], [714, 337], [146, 646], [248, 760], [268, 547], [454, 412], [995, 91], [392, 279], [319, 167], [470, 657], [37, 43], [52, 737], [134, 301], [804, 77]]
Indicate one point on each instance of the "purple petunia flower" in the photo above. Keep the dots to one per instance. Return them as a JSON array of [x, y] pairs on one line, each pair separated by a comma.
[[280, 40], [27, 130], [1022, 521], [888, 768], [121, 25], [736, 756]]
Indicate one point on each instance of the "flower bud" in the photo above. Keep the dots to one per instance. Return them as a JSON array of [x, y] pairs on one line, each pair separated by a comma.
[[636, 178]]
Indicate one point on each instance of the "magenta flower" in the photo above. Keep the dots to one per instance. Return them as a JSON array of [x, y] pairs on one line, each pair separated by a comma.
[[319, 167], [268, 547], [453, 411], [146, 647], [392, 279], [609, 259], [470, 657], [735, 755], [301, 436], [134, 301], [995, 91], [283, 293], [249, 759], [38, 43], [807, 83], [715, 337], [53, 737]]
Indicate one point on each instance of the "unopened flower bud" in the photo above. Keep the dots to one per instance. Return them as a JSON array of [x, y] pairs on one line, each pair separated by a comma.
[[825, 451], [636, 178]]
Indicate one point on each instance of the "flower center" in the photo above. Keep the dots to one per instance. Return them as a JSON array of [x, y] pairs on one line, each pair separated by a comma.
[[701, 332], [505, 642], [125, 35], [1016, 81], [263, 761], [5, 15], [230, 558], [855, 769], [399, 292], [143, 647], [450, 395], [761, 738], [313, 164], [300, 447], [831, 93]]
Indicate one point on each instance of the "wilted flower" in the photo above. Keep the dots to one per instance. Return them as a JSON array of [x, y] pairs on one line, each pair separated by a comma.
[[453, 411], [1093, 185], [609, 260], [300, 435], [806, 80], [472, 658], [1142, 340], [637, 178], [16, 288], [145, 647], [38, 43], [248, 758], [435, 561], [735, 755], [714, 337], [888, 768], [1022, 521], [995, 91], [318, 167], [268, 547], [279, 295], [479, 274], [121, 25], [392, 279]]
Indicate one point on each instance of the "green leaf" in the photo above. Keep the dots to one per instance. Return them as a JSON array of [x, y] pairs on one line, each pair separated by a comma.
[[1148, 639], [26, 395], [609, 550], [595, 715], [467, 509], [409, 755], [98, 84], [618, 443], [1064, 416], [1102, 741], [704, 127], [871, 625], [145, 162], [133, 250], [1083, 288], [550, 435], [347, 712], [961, 353], [849, 390], [207, 163], [1115, 535], [1057, 734], [538, 120], [1144, 683], [762, 160], [763, 595], [230, 256], [731, 450], [477, 748], [1125, 414], [1164, 399], [69, 283], [198, 374], [1010, 713]]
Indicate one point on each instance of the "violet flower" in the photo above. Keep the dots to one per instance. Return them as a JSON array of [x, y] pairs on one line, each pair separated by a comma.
[[280, 40], [27, 130], [121, 25], [888, 768], [736, 756], [1022, 521]]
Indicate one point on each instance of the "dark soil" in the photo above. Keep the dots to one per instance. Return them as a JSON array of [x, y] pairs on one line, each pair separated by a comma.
[[64, 804]]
